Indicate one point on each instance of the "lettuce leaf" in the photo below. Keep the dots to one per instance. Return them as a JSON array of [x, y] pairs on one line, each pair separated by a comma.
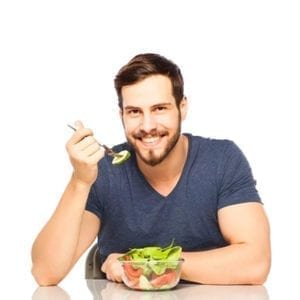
[[159, 259]]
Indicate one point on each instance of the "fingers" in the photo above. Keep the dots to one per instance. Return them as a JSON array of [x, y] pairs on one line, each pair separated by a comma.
[[78, 124], [84, 153], [87, 146], [113, 268], [90, 150], [79, 135], [114, 278], [82, 139], [94, 157]]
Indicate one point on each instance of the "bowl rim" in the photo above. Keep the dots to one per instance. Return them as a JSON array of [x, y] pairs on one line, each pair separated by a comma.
[[152, 260]]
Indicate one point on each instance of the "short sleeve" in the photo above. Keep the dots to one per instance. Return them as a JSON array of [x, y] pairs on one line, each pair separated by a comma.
[[100, 190], [93, 203], [235, 180]]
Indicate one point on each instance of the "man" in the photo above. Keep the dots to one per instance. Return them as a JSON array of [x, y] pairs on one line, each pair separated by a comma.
[[199, 192]]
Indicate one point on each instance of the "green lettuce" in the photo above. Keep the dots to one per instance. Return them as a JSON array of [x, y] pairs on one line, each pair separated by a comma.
[[154, 259]]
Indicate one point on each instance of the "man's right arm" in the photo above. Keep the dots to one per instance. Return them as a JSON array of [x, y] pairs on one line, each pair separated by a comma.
[[71, 229]]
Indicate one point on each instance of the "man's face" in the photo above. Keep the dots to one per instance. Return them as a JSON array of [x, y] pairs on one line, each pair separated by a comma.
[[151, 119]]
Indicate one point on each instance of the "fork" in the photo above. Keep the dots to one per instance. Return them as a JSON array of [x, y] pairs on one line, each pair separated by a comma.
[[108, 150]]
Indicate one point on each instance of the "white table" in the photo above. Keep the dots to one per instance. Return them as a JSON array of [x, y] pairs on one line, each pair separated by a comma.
[[106, 290]]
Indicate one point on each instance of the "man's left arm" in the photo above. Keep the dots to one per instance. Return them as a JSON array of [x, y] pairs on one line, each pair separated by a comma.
[[247, 258]]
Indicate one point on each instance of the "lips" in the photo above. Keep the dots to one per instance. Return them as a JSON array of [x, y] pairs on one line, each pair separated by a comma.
[[151, 141]]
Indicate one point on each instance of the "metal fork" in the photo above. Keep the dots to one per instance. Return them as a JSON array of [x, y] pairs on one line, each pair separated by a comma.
[[108, 150]]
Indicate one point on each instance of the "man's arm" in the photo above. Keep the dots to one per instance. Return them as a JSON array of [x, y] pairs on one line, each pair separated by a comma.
[[71, 229], [246, 260], [69, 232]]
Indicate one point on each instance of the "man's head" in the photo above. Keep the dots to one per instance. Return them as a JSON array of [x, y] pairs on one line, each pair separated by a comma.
[[152, 105], [144, 65]]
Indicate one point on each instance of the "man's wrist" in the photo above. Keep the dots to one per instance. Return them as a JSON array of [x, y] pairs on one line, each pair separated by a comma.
[[79, 185]]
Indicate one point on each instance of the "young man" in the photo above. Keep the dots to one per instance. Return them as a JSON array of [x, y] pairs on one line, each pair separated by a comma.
[[199, 192]]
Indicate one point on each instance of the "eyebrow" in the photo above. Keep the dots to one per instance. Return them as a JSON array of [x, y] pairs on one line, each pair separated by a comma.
[[162, 104], [128, 107]]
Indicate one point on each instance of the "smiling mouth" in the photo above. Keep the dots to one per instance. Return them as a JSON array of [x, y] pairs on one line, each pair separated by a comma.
[[150, 141]]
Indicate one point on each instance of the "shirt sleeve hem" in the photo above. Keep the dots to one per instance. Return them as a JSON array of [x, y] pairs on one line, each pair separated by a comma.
[[95, 212], [234, 202]]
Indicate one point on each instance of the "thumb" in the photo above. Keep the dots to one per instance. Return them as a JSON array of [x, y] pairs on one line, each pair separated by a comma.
[[78, 124]]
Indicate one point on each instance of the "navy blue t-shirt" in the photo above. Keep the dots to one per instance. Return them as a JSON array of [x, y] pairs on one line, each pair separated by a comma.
[[133, 214]]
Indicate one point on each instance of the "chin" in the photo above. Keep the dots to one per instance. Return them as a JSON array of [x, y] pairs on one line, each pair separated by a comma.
[[153, 160]]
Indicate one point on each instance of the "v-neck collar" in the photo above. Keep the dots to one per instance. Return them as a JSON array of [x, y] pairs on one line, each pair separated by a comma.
[[180, 180]]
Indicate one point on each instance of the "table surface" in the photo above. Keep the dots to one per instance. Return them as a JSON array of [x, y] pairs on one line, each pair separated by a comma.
[[106, 290]]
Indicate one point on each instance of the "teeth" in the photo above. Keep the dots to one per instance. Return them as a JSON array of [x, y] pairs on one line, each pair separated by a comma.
[[150, 140]]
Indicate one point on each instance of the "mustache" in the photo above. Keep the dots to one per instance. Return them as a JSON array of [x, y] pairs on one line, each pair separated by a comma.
[[142, 133]]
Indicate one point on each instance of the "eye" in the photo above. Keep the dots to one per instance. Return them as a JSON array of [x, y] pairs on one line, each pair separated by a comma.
[[160, 109], [133, 112]]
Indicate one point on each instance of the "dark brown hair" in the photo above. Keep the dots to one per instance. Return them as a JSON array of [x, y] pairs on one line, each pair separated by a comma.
[[145, 65]]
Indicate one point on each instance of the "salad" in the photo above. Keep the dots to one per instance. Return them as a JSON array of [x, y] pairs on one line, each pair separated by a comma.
[[121, 157], [152, 268]]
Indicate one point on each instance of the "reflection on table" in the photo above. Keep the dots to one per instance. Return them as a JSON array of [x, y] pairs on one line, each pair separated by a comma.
[[106, 290], [50, 292]]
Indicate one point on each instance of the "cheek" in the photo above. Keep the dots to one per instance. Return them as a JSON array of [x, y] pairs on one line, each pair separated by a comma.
[[130, 126], [170, 121]]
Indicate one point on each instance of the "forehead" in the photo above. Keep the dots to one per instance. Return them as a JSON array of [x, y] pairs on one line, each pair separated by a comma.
[[149, 91]]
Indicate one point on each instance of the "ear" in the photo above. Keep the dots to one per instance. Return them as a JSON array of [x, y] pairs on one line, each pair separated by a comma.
[[183, 106]]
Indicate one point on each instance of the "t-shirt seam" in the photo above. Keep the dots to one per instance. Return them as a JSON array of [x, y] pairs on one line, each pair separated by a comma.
[[94, 210], [247, 199], [219, 178]]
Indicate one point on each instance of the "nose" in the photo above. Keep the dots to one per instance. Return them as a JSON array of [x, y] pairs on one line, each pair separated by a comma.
[[148, 123]]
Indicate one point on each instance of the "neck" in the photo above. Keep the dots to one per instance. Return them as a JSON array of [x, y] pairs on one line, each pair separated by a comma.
[[170, 168]]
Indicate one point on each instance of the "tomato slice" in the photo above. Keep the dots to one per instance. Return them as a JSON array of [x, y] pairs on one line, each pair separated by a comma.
[[131, 272], [167, 278]]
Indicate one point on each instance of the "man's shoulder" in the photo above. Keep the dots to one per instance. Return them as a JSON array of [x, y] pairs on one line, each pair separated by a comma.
[[213, 151], [213, 144]]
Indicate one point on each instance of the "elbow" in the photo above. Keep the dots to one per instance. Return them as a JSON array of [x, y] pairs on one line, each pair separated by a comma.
[[45, 277], [260, 272]]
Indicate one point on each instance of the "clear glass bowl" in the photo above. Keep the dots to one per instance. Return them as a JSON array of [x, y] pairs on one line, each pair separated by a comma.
[[151, 274]]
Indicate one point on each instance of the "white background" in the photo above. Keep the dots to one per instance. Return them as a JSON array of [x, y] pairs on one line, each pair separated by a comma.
[[240, 61]]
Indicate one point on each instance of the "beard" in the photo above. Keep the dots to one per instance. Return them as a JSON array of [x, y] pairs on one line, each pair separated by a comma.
[[151, 158]]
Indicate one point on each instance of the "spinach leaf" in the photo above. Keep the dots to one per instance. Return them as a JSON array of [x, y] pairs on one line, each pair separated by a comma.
[[154, 259]]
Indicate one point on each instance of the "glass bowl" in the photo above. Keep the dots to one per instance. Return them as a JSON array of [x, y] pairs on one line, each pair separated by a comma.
[[151, 274]]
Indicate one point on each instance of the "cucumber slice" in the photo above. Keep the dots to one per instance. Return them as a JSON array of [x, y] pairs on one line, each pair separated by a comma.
[[121, 158], [144, 284]]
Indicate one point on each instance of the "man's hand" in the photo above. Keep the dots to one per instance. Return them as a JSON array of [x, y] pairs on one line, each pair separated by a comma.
[[113, 268], [84, 152]]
